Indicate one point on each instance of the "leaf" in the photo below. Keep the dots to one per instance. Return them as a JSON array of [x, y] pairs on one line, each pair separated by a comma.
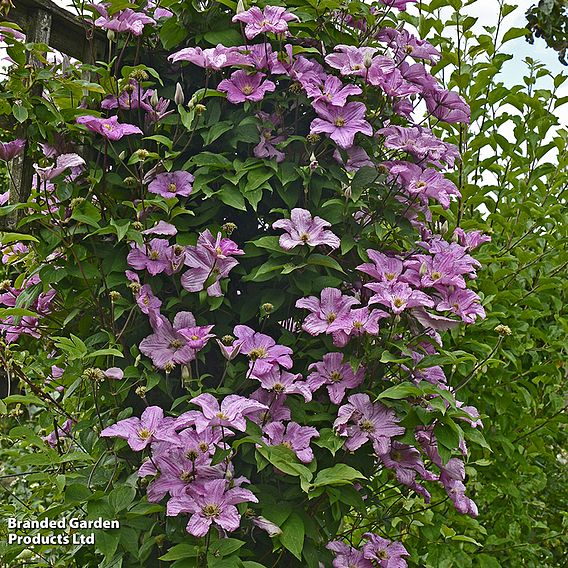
[[87, 213], [232, 196], [292, 536], [218, 129], [20, 112], [514, 33], [181, 551], [403, 390], [339, 474], [225, 546], [323, 260], [121, 497], [228, 37], [7, 238], [107, 352], [285, 460]]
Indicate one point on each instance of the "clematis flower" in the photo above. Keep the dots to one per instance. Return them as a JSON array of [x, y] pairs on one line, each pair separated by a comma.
[[154, 257], [231, 413], [263, 352], [447, 106], [4, 197], [9, 150], [209, 261], [212, 503], [284, 383], [351, 60], [172, 184], [241, 87], [464, 303], [161, 228], [472, 239], [358, 322], [273, 19], [341, 123], [293, 436], [303, 230], [276, 409], [332, 307], [59, 433], [336, 375], [62, 163], [347, 557], [382, 268], [357, 158], [109, 128], [399, 5], [114, 373], [403, 43], [398, 296], [197, 336], [386, 553], [360, 421], [166, 346], [123, 21], [140, 432], [213, 58], [132, 97], [331, 90]]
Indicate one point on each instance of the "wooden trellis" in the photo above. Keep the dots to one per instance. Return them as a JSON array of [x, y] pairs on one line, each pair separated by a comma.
[[44, 22]]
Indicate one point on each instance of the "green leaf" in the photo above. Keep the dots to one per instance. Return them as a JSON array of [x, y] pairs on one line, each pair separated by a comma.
[[86, 212], [225, 546], [323, 260], [20, 112], [403, 390], [292, 536], [218, 129], [106, 352], [181, 551], [232, 196], [339, 474], [285, 460], [514, 33], [121, 497], [7, 238]]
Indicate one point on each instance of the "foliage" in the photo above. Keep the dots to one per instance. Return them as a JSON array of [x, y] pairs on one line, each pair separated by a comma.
[[90, 298], [549, 21]]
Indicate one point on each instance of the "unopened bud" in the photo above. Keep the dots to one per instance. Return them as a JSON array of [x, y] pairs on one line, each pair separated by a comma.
[[241, 7], [141, 392], [185, 373], [423, 269], [267, 308], [179, 97], [503, 330], [154, 100], [313, 162], [229, 228], [114, 295], [111, 35]]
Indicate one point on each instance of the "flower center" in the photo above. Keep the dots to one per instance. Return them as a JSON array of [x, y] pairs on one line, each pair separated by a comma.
[[191, 455], [257, 353], [396, 455], [366, 426], [335, 376], [408, 49], [219, 250], [144, 434], [339, 121], [211, 511], [247, 89], [304, 237], [382, 554], [172, 188], [456, 306], [356, 67], [436, 275], [331, 317], [421, 184], [279, 388], [153, 255], [175, 344], [287, 445], [398, 302], [390, 275], [107, 127], [203, 447], [186, 476], [221, 416], [194, 337]]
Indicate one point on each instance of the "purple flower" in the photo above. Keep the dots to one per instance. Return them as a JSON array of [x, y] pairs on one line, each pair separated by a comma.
[[404, 43], [336, 375], [58, 433], [197, 336], [140, 432], [464, 303], [4, 197], [231, 413], [303, 230], [332, 307], [331, 90], [155, 256], [166, 346], [172, 184], [243, 87], [272, 19], [123, 21], [360, 420], [341, 123], [213, 503], [132, 97], [472, 239], [382, 268], [351, 60], [284, 383], [263, 352], [9, 150], [108, 127], [208, 262], [398, 296], [386, 553], [213, 58], [347, 556], [357, 158], [399, 5], [161, 228], [358, 322], [447, 106], [114, 373], [293, 436], [407, 464], [63, 162]]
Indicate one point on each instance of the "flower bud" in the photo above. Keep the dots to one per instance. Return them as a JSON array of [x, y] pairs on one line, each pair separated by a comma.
[[179, 97], [503, 330], [200, 109], [241, 7], [267, 308], [142, 154], [229, 228], [313, 138], [141, 392], [111, 35], [114, 296], [154, 100]]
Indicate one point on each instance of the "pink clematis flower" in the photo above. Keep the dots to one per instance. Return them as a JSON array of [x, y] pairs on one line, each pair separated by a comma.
[[154, 257], [212, 503], [213, 58], [385, 553], [341, 123], [273, 19], [382, 268], [351, 60], [172, 184], [63, 432], [347, 557], [293, 436], [403, 43], [447, 106], [109, 128], [360, 421], [336, 375], [243, 87], [62, 163], [472, 239], [197, 336], [331, 90], [464, 303], [399, 5], [123, 21], [332, 307], [283, 383], [9, 150], [303, 230], [398, 296], [140, 432]]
